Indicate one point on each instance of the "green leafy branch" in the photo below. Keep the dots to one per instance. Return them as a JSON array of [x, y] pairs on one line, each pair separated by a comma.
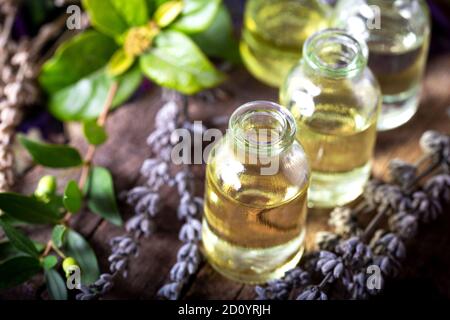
[[160, 39], [164, 40], [20, 257]]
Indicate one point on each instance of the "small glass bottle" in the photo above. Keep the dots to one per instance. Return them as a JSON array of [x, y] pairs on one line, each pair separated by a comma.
[[335, 100], [397, 33], [274, 32], [257, 178]]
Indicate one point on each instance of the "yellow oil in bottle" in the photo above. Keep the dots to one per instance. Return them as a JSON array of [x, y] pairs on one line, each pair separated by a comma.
[[398, 70], [339, 143], [335, 100], [397, 34], [254, 224], [274, 32]]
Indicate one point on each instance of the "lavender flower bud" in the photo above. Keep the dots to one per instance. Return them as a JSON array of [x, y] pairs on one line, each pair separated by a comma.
[[330, 263], [327, 240], [385, 196], [425, 208], [390, 251], [312, 293], [432, 142], [171, 291], [275, 290], [402, 172], [354, 252], [279, 289], [438, 187], [405, 225], [191, 230]]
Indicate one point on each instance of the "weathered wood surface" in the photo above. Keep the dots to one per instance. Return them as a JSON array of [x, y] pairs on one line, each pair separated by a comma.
[[426, 272]]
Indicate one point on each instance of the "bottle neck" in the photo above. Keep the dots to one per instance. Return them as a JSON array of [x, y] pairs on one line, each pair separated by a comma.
[[262, 128], [335, 54]]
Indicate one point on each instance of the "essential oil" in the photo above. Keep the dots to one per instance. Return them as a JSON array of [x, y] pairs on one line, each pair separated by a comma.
[[398, 45], [340, 143], [274, 32], [335, 100], [254, 223]]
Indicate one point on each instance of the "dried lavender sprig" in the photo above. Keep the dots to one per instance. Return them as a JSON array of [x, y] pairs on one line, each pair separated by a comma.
[[146, 199], [189, 256], [280, 289], [405, 209]]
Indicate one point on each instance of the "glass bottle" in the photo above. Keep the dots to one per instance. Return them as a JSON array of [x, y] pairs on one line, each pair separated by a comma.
[[335, 100], [397, 33], [274, 32], [257, 178]]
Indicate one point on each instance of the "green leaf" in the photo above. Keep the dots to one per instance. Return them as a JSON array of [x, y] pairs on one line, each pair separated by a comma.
[[52, 155], [101, 196], [94, 133], [114, 17], [18, 239], [17, 270], [58, 235], [218, 40], [39, 246], [73, 198], [27, 209], [197, 15], [158, 3], [56, 285], [56, 203], [76, 78], [78, 248], [76, 59], [84, 100], [119, 63], [177, 63], [151, 6], [8, 251], [168, 12], [49, 262]]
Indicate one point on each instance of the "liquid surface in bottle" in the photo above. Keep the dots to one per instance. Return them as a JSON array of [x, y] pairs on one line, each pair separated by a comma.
[[274, 33], [398, 49], [254, 224], [339, 143], [397, 71], [337, 139]]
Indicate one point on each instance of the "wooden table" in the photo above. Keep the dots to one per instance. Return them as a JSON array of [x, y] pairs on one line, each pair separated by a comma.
[[426, 271]]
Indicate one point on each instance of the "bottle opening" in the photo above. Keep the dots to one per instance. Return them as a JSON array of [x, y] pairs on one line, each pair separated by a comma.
[[263, 125], [335, 53]]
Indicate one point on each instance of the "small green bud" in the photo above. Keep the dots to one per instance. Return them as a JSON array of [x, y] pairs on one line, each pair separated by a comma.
[[46, 187], [67, 263]]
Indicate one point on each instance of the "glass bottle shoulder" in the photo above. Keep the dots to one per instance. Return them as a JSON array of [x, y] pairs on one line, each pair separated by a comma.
[[239, 177], [306, 93], [394, 26]]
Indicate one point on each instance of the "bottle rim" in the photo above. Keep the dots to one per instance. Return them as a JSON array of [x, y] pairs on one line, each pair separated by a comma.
[[351, 55], [262, 111]]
